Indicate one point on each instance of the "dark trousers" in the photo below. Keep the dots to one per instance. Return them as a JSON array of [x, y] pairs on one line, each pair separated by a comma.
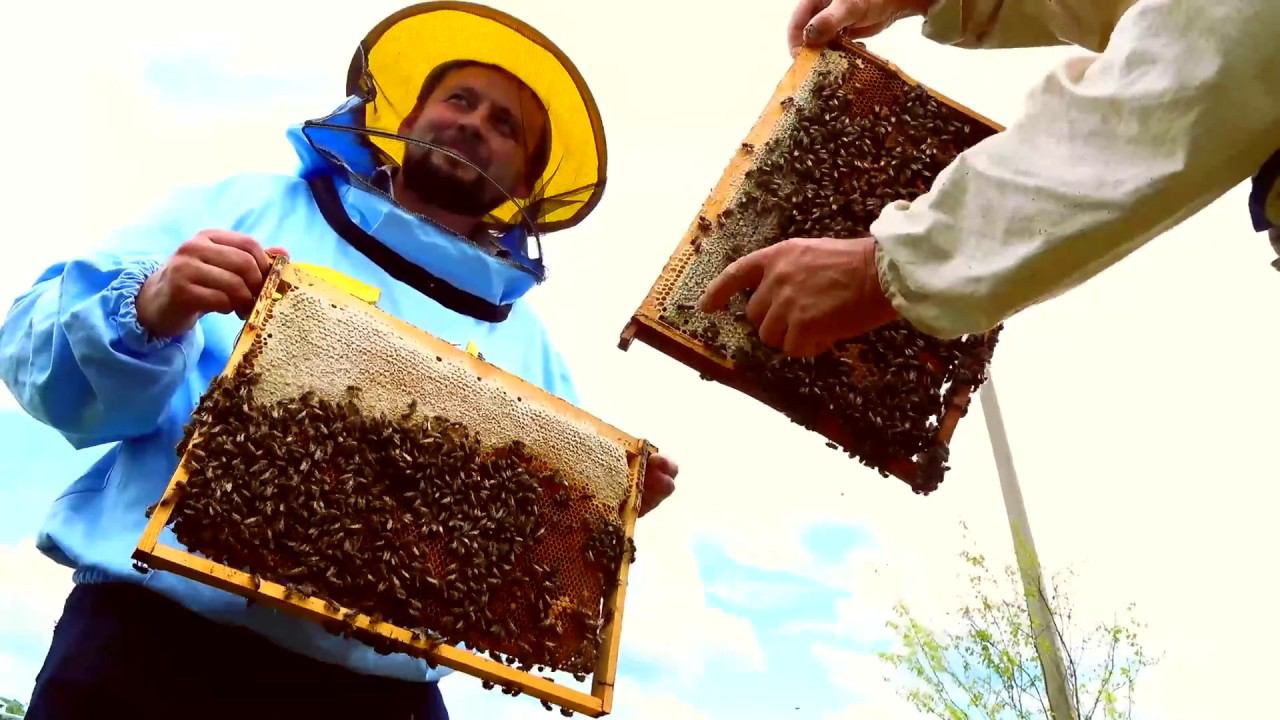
[[122, 651]]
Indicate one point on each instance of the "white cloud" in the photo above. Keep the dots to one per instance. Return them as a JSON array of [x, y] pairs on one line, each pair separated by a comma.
[[666, 619], [755, 595], [633, 700], [32, 590], [862, 677], [648, 702]]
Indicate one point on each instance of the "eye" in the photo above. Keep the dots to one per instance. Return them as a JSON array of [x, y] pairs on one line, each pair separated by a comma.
[[459, 98], [506, 127]]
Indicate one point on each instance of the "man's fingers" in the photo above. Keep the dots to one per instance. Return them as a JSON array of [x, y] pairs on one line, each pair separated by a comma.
[[233, 260], [742, 274], [663, 465], [759, 303], [229, 284], [657, 488], [241, 242], [773, 331], [800, 17], [836, 16], [798, 344], [200, 299]]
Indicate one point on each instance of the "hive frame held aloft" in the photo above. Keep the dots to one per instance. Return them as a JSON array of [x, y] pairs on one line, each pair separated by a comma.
[[646, 323], [160, 556]]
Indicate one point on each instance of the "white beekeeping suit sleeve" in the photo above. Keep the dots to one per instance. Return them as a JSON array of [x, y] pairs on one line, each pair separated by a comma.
[[1023, 23], [1112, 150]]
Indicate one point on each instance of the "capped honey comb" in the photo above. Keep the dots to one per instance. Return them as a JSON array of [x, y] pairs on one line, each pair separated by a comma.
[[391, 487], [845, 134]]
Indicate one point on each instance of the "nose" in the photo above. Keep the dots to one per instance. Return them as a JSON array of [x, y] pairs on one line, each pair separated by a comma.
[[468, 131]]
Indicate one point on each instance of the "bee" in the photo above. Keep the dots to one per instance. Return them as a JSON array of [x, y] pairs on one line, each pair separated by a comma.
[[174, 495], [413, 408]]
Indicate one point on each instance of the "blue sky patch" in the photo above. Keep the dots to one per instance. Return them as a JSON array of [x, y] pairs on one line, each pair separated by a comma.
[[831, 543]]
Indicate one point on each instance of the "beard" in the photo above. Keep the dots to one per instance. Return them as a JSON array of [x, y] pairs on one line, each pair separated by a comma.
[[429, 175]]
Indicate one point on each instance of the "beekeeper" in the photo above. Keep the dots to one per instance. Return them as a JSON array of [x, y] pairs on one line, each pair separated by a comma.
[[118, 346], [1180, 104]]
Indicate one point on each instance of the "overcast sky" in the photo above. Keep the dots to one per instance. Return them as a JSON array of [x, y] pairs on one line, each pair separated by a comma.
[[1140, 407]]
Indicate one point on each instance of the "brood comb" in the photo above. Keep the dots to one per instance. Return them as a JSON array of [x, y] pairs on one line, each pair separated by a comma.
[[845, 134], [356, 471]]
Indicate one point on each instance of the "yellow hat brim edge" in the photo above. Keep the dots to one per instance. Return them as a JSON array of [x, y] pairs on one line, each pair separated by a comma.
[[355, 73]]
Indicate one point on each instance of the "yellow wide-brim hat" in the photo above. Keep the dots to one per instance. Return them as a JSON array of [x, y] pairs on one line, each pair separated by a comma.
[[397, 55]]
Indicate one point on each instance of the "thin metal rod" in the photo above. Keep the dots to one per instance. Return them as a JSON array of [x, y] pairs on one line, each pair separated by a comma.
[[1061, 700]]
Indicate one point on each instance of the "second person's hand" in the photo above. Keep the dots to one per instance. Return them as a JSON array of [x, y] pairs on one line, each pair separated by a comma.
[[814, 23]]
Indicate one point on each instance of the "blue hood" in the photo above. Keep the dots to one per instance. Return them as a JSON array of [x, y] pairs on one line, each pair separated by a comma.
[[337, 145]]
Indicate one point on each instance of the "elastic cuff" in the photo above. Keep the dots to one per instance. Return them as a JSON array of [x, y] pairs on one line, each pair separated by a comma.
[[123, 292], [891, 284]]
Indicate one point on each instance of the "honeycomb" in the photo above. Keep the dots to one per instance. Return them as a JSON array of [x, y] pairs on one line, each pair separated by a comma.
[[848, 136], [345, 459]]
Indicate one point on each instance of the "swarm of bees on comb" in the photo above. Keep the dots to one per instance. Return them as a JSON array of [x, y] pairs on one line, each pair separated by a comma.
[[841, 151], [409, 520]]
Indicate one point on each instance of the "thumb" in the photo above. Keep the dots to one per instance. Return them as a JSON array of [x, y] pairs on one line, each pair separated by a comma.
[[277, 252], [840, 14]]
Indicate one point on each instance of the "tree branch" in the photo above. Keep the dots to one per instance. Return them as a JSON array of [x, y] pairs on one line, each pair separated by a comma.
[[1106, 676], [946, 694]]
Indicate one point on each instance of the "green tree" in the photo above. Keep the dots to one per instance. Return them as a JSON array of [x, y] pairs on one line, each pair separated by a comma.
[[984, 665], [12, 707]]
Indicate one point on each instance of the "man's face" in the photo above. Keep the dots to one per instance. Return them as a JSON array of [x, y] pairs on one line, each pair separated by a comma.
[[486, 116]]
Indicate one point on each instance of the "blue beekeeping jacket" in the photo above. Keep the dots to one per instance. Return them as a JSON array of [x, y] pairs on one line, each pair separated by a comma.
[[72, 352]]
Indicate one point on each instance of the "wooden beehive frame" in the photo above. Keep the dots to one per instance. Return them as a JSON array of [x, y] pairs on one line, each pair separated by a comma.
[[154, 554], [647, 325]]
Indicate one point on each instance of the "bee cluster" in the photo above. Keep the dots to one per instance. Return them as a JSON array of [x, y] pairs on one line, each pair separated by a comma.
[[408, 520], [843, 149]]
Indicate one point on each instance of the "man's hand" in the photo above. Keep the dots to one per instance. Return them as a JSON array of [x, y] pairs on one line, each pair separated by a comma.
[[814, 23], [808, 294], [659, 482], [215, 271]]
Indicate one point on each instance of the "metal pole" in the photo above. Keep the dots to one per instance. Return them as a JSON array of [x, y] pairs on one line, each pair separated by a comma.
[[1061, 701]]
